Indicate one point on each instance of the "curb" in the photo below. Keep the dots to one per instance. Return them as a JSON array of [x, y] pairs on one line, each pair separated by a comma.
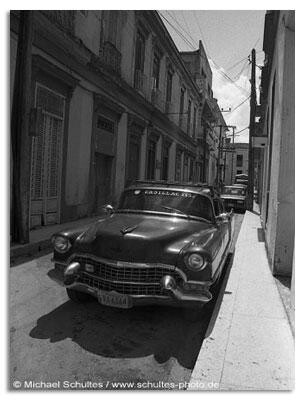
[[29, 249]]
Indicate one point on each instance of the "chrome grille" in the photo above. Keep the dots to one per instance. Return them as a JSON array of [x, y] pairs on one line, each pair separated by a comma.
[[127, 279], [120, 287]]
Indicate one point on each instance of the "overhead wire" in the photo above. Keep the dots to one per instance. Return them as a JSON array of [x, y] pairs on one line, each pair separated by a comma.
[[177, 22], [206, 46], [178, 32], [187, 27], [240, 104]]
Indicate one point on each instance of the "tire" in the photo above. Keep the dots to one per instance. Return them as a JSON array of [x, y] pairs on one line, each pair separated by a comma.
[[78, 297], [193, 314]]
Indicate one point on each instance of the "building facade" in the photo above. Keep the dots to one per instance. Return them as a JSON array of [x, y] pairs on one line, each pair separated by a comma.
[[276, 127], [118, 103]]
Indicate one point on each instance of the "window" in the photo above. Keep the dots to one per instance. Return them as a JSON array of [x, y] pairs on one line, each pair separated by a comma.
[[191, 173], [151, 159], [140, 52], [185, 168], [165, 162], [181, 109], [217, 207], [113, 26], [167, 201], [189, 116], [239, 171], [194, 123], [178, 166], [156, 71], [169, 85], [105, 124], [239, 160]]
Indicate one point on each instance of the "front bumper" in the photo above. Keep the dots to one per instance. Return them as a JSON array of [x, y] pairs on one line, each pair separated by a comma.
[[184, 293]]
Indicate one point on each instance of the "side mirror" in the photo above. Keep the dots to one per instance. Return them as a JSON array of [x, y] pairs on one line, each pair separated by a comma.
[[223, 217], [108, 209]]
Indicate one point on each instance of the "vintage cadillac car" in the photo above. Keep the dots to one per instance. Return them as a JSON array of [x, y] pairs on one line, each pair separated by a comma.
[[165, 243], [235, 197]]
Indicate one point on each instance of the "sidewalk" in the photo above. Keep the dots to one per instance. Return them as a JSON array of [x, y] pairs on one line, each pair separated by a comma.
[[249, 344], [40, 239]]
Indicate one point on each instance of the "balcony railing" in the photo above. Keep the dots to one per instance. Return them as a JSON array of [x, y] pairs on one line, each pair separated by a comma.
[[139, 80], [65, 19], [111, 57]]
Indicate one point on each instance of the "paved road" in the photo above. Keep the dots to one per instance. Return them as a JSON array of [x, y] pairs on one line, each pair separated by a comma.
[[53, 339]]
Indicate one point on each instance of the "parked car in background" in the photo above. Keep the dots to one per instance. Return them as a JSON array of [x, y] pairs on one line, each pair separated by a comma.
[[164, 244], [241, 179], [235, 197]]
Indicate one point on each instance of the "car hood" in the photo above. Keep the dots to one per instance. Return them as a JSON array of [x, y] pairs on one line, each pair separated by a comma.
[[141, 237]]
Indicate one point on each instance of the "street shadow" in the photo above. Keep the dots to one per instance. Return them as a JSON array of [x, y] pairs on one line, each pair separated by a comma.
[[132, 333], [285, 281], [15, 262], [220, 291]]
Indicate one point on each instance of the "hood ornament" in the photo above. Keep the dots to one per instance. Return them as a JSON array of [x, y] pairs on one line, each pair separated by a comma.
[[128, 229]]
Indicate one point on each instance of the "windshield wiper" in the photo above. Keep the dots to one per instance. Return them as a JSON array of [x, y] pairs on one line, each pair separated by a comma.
[[175, 209]]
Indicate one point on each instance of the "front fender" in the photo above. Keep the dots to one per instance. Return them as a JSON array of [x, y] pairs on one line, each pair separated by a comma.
[[208, 243]]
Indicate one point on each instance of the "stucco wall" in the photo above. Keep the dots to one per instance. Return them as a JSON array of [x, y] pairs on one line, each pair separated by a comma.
[[128, 47], [87, 28], [79, 146], [280, 223]]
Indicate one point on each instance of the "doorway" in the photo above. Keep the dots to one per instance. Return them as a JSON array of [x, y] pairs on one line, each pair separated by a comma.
[[46, 160], [103, 174]]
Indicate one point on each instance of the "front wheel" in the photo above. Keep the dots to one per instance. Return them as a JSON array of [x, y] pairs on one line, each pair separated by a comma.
[[78, 297]]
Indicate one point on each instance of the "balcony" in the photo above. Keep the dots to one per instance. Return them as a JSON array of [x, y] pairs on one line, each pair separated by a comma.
[[65, 19], [139, 80], [111, 57]]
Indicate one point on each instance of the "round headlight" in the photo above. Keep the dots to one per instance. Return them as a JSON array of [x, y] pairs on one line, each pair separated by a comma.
[[61, 244], [195, 262]]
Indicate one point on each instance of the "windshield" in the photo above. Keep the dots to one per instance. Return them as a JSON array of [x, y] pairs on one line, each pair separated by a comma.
[[169, 201], [234, 190]]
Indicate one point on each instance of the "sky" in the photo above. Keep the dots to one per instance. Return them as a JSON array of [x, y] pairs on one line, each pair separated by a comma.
[[228, 37]]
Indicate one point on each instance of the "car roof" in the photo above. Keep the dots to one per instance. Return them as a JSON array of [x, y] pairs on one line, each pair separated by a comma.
[[200, 188]]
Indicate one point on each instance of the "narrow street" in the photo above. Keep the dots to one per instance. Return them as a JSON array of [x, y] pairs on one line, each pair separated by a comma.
[[53, 339]]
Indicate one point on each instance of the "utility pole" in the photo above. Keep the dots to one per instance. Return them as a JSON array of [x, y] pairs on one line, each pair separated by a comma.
[[251, 131], [20, 138], [218, 157], [232, 160]]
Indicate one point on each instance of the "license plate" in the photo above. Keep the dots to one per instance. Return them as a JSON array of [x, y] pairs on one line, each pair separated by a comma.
[[114, 299]]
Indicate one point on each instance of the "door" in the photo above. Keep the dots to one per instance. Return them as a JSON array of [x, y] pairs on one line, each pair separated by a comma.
[[133, 167], [46, 159], [103, 174]]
